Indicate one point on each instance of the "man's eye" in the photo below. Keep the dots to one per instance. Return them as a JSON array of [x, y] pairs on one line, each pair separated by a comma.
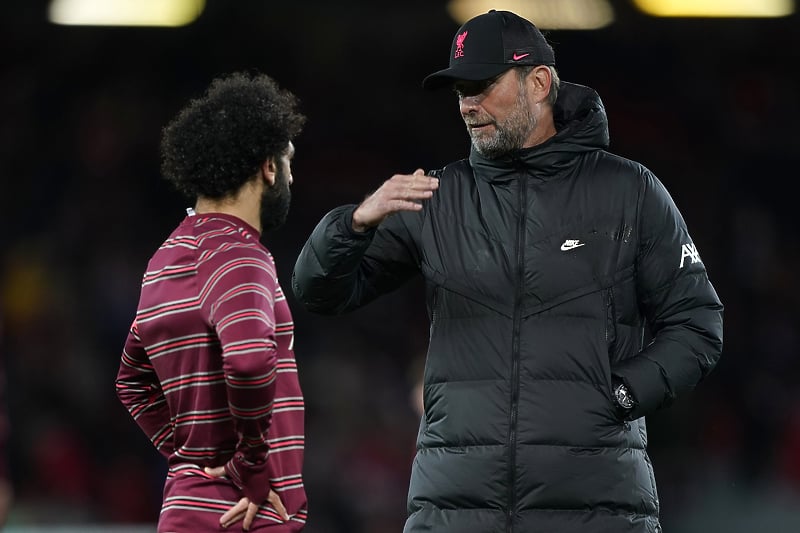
[[473, 88], [468, 90]]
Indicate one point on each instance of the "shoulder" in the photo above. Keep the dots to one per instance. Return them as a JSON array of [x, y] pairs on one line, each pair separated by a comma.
[[454, 170], [617, 173], [454, 178], [221, 242], [616, 167]]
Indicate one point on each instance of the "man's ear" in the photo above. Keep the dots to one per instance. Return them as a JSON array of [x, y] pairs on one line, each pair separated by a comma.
[[541, 81], [268, 170]]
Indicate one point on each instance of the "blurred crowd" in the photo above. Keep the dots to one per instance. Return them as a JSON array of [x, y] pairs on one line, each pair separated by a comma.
[[710, 106]]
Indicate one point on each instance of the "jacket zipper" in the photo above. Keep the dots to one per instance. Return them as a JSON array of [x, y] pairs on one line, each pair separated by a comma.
[[611, 315], [611, 334], [434, 305], [512, 430]]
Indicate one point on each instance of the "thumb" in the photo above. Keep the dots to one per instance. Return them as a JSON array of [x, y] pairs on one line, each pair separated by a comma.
[[419, 172], [217, 471]]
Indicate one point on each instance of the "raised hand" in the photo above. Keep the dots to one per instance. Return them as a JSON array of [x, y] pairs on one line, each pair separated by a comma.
[[401, 192]]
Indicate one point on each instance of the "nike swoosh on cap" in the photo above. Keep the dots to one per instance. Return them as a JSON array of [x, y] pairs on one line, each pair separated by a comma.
[[517, 57]]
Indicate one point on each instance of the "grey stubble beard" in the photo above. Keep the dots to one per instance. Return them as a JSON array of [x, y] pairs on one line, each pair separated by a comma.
[[509, 135]]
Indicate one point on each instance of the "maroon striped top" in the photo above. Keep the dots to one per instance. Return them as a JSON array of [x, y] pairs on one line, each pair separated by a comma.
[[209, 374]]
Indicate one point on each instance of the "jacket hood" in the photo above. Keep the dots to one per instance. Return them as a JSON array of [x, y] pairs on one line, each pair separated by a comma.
[[581, 126]]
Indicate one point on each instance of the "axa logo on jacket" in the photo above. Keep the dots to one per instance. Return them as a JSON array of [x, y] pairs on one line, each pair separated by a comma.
[[688, 251]]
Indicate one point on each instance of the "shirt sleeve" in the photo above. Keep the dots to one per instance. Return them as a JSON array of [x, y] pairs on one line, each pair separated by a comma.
[[241, 310], [682, 309], [139, 391]]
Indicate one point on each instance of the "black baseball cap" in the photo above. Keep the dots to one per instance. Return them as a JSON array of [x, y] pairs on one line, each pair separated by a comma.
[[488, 45]]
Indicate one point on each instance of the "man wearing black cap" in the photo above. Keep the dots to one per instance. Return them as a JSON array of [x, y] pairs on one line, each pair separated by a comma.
[[567, 300]]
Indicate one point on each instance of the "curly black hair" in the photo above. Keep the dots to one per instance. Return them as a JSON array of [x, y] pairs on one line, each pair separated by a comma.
[[219, 141]]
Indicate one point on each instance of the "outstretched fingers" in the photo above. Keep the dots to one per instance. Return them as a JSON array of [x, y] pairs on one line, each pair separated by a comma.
[[236, 513], [401, 192], [276, 502], [249, 516], [418, 186]]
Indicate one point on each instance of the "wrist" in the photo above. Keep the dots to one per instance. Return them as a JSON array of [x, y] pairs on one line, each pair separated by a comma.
[[252, 478], [356, 223], [623, 397]]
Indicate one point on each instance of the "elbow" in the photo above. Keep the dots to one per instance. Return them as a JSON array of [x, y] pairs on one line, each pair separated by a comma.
[[318, 305], [715, 353], [712, 345], [251, 369], [122, 391]]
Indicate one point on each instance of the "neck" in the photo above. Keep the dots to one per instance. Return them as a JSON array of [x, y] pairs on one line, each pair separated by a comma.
[[244, 204], [545, 128]]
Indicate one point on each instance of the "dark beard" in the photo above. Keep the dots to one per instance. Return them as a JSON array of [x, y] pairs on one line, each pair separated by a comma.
[[275, 202]]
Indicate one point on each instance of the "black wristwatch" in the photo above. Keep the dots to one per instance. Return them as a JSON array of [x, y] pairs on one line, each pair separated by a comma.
[[623, 397]]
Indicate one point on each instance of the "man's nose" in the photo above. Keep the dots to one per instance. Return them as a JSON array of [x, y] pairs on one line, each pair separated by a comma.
[[470, 103]]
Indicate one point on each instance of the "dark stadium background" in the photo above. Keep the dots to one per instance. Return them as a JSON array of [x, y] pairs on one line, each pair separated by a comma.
[[711, 106]]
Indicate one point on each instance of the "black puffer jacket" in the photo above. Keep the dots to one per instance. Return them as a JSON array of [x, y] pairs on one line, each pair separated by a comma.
[[548, 273]]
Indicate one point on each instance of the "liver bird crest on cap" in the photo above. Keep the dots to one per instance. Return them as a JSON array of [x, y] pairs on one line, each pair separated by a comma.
[[460, 44]]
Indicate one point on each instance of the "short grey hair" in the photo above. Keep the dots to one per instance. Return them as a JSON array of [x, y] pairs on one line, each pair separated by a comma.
[[555, 81]]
